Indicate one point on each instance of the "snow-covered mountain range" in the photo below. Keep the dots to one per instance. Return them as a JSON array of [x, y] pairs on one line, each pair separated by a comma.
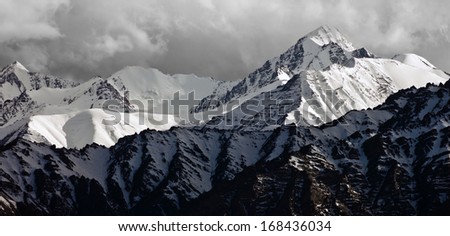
[[58, 112], [317, 80], [322, 129], [392, 160]]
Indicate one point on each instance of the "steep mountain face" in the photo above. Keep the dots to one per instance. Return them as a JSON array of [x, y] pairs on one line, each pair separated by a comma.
[[15, 82], [392, 160], [315, 97], [315, 51], [330, 77]]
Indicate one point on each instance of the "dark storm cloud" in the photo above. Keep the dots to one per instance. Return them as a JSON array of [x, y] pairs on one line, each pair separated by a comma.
[[224, 39]]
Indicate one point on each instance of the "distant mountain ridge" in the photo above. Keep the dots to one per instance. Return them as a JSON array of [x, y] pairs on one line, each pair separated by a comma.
[[52, 110]]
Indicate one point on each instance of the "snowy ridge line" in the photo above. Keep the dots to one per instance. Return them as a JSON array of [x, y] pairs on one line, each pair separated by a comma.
[[317, 80]]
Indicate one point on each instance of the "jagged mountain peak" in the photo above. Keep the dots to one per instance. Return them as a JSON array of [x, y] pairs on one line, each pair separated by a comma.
[[13, 81], [17, 73], [15, 69], [18, 65], [327, 34], [334, 65]]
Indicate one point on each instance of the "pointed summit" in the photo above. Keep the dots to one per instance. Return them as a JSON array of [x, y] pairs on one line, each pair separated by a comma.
[[326, 34], [18, 65]]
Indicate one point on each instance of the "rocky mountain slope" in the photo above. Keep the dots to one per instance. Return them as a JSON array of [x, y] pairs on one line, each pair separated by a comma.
[[392, 160]]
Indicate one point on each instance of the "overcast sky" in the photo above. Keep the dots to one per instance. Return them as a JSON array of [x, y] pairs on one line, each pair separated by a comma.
[[224, 39]]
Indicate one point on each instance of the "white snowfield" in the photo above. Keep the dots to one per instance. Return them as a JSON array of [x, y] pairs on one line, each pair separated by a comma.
[[76, 129], [67, 114]]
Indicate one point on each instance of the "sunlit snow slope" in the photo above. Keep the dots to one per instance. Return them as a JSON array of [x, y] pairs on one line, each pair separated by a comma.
[[67, 114]]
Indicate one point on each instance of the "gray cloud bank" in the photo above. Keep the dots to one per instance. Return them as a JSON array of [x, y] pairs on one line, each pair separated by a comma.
[[223, 39]]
